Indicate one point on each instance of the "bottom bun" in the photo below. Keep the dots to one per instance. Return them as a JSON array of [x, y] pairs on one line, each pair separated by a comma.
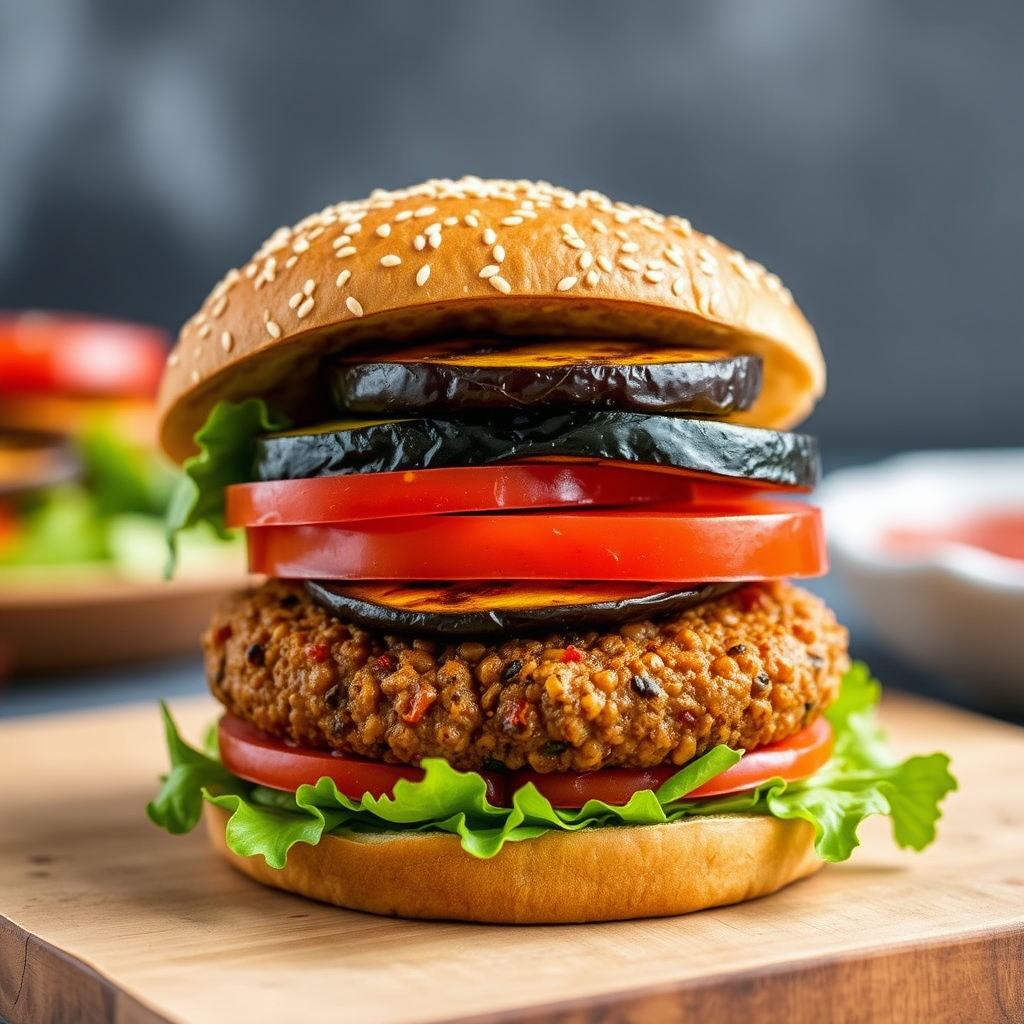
[[601, 874]]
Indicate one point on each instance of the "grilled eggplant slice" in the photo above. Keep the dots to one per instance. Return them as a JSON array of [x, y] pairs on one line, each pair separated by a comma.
[[711, 447], [483, 607], [595, 374]]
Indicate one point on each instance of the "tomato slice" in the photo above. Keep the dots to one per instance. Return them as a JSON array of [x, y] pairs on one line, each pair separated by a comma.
[[742, 541], [266, 761], [44, 353], [356, 496], [256, 757], [793, 758]]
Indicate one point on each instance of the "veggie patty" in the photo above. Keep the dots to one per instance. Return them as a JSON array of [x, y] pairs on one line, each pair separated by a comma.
[[746, 669]]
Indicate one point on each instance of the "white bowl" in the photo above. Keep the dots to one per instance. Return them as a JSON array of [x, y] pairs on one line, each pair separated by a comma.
[[947, 607]]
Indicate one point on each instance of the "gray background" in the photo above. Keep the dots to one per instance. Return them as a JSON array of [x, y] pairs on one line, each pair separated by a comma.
[[869, 152]]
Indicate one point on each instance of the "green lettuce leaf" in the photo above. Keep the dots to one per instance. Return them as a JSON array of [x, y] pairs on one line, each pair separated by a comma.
[[225, 443], [859, 780]]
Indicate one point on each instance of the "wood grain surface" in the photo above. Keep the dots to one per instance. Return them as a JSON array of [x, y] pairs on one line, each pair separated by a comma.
[[105, 918]]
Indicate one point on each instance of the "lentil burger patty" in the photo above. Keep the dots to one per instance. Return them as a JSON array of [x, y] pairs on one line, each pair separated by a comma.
[[751, 667]]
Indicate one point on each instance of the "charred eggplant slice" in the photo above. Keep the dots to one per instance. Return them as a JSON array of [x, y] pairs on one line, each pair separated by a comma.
[[596, 374], [479, 608], [665, 442]]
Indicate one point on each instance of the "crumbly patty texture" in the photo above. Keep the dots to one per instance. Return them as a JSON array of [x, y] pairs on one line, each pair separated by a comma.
[[751, 667]]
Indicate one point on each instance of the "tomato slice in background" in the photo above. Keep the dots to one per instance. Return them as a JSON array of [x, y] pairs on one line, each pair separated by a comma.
[[256, 757], [357, 496], [59, 353], [743, 541]]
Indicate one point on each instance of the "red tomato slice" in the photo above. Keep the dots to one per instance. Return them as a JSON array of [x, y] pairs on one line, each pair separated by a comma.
[[336, 499], [793, 758], [256, 757], [743, 541], [259, 758], [76, 355]]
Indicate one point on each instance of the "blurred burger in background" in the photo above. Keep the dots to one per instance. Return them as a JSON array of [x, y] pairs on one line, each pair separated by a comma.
[[83, 491]]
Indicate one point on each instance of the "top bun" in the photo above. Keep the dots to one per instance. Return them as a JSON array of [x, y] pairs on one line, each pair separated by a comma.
[[476, 257]]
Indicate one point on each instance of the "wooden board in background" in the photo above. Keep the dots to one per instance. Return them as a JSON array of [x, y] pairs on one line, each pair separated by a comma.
[[105, 918]]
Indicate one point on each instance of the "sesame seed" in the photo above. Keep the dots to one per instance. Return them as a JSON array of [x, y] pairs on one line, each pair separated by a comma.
[[599, 226], [422, 274], [450, 222], [574, 242], [675, 256], [309, 286], [426, 211], [585, 260], [511, 222], [629, 263], [391, 260], [434, 240], [306, 308], [295, 300], [654, 276], [173, 358], [226, 341], [569, 229], [490, 270], [301, 245], [489, 236], [250, 270], [219, 306], [629, 247], [204, 331], [347, 250], [621, 235], [683, 226], [604, 263], [501, 284], [566, 283], [272, 328], [432, 229], [354, 228], [342, 279], [592, 278], [419, 243], [498, 253], [354, 306], [470, 221], [679, 286], [402, 215], [194, 376], [316, 232], [383, 230]]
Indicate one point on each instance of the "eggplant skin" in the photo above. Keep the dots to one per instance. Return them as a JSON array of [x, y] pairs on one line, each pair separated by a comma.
[[664, 442], [708, 387], [465, 620]]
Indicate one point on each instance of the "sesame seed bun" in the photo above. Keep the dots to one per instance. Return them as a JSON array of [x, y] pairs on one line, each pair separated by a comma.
[[616, 874], [479, 257]]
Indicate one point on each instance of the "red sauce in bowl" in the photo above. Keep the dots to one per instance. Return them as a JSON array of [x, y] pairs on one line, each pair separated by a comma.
[[999, 532]]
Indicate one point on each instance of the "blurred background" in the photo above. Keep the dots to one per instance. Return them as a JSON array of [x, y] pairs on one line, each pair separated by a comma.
[[870, 153]]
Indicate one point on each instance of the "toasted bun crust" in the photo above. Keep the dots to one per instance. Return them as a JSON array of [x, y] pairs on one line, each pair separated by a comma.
[[605, 874], [479, 257]]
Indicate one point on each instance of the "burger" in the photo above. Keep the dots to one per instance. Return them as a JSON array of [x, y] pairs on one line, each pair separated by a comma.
[[517, 465]]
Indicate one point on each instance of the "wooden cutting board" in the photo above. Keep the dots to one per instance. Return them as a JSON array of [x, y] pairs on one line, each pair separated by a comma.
[[105, 918]]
